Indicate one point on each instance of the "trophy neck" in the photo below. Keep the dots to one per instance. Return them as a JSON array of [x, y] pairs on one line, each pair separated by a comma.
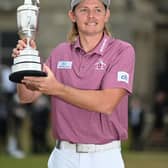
[[28, 34], [28, 44]]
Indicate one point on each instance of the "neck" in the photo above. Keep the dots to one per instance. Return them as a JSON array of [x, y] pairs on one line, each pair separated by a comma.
[[88, 43]]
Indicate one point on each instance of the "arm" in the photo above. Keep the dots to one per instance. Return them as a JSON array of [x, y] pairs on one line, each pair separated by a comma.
[[102, 101]]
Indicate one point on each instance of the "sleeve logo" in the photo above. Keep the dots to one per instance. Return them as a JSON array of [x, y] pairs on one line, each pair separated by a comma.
[[123, 76]]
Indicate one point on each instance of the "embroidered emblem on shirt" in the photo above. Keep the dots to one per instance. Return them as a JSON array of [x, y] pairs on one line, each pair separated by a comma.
[[103, 45], [64, 65], [123, 76], [100, 65]]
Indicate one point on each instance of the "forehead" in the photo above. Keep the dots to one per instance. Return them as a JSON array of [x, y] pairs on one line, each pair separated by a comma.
[[91, 3]]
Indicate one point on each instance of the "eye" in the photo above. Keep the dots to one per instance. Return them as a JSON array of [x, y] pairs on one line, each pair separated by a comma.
[[83, 10], [99, 10]]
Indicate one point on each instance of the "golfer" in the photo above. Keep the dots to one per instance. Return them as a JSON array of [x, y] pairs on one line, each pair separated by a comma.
[[89, 79]]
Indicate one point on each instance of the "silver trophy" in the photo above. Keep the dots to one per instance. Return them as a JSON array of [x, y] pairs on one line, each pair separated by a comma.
[[28, 63]]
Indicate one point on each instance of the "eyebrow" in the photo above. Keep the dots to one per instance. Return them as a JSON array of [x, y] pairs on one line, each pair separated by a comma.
[[88, 7], [94, 6]]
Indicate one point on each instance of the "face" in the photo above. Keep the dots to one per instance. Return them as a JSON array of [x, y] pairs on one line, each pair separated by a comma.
[[90, 17]]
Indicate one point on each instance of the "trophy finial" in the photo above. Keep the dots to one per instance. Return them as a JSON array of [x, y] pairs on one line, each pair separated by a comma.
[[32, 2], [36, 2], [28, 2]]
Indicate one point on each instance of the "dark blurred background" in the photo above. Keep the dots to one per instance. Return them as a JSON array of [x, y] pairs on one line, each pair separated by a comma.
[[143, 23]]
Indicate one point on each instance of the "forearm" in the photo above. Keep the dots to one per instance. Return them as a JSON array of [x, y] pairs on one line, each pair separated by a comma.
[[103, 101], [26, 95]]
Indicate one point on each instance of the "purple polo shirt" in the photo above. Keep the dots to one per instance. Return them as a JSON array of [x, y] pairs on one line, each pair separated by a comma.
[[109, 65]]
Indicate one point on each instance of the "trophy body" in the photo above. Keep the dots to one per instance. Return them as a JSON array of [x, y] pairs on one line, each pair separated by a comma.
[[28, 62]]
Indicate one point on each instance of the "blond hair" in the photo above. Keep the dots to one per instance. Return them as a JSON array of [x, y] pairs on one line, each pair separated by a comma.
[[73, 34]]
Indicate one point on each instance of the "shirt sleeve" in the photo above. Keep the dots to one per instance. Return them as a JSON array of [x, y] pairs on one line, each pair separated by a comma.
[[120, 74]]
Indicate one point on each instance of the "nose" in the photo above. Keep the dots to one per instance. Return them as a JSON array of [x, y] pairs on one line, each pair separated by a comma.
[[91, 13]]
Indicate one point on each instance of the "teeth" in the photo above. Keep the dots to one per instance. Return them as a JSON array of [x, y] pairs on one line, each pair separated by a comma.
[[91, 24]]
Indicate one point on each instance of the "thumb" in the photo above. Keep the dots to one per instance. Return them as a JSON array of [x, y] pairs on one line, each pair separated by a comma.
[[33, 44], [47, 69]]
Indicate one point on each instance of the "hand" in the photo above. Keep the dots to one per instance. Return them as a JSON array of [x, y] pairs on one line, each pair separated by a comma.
[[48, 85], [21, 45]]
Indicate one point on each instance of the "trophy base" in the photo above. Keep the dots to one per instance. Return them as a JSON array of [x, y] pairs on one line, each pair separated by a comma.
[[18, 76]]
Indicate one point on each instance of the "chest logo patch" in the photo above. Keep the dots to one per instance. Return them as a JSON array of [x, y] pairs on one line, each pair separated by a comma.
[[100, 65], [64, 65]]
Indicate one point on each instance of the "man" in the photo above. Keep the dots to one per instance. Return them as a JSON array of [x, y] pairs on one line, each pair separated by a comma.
[[89, 80]]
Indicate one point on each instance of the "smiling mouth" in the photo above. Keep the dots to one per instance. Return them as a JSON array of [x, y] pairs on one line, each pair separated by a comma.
[[91, 24]]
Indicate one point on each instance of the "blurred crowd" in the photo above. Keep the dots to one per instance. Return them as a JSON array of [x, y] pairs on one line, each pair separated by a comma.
[[13, 117], [149, 125], [147, 128]]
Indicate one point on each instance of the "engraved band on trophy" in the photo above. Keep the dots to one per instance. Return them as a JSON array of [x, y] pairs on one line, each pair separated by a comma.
[[28, 62]]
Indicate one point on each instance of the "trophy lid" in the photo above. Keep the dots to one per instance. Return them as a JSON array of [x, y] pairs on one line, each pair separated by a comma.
[[29, 4], [28, 7]]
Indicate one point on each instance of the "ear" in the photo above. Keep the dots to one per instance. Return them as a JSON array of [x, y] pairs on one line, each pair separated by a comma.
[[71, 15], [107, 16]]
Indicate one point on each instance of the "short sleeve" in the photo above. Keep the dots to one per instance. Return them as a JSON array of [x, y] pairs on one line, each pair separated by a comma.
[[120, 73]]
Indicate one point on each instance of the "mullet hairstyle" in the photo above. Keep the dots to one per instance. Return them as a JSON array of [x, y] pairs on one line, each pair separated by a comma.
[[74, 33]]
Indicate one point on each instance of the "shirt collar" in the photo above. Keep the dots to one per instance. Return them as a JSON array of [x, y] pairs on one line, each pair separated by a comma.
[[100, 48]]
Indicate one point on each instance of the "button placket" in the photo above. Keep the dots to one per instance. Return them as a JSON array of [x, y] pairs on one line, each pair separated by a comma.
[[84, 60]]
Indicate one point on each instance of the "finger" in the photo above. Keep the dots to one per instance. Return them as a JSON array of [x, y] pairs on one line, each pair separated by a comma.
[[22, 43], [33, 44], [20, 47], [15, 52], [47, 69], [33, 80], [27, 82], [30, 85]]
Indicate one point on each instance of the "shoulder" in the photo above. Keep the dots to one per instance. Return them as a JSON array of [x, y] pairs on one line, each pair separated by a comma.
[[59, 51], [121, 45], [121, 50]]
